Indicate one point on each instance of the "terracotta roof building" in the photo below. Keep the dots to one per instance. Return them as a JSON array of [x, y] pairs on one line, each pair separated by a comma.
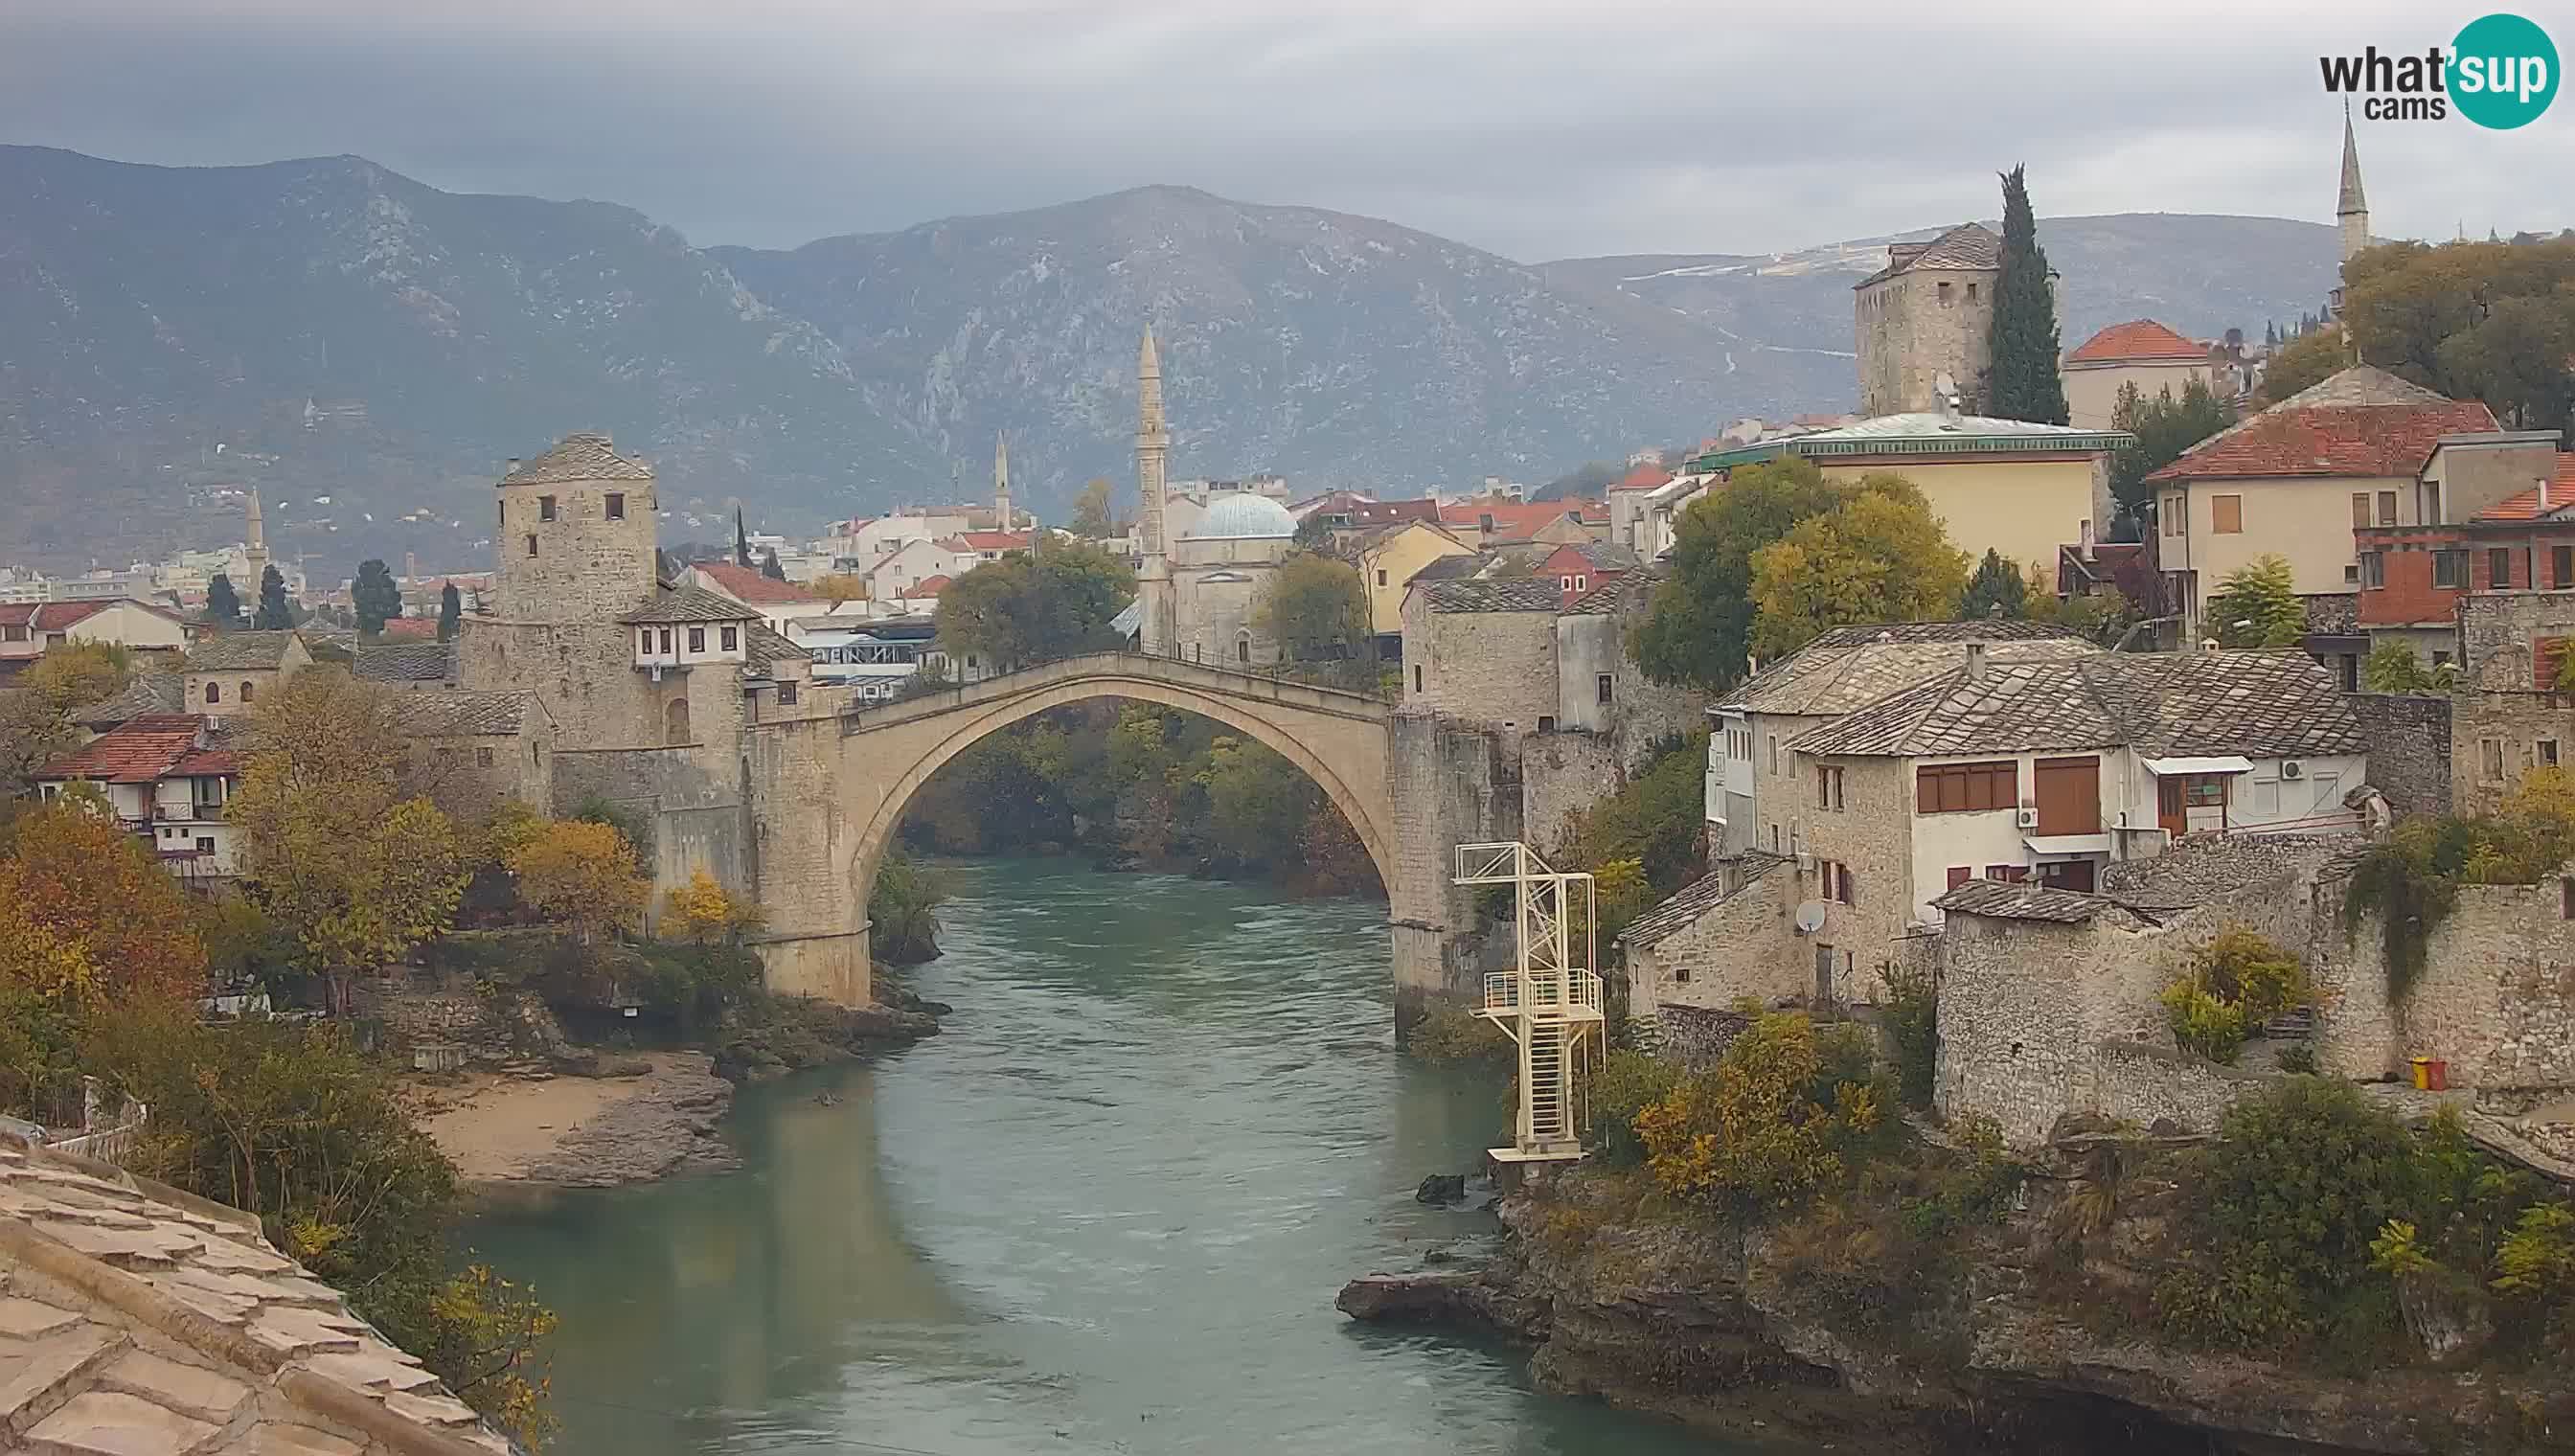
[[166, 778], [2141, 352]]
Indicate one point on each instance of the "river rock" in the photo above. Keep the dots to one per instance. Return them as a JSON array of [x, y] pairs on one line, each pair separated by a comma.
[[1442, 1188], [667, 1128], [1444, 1297]]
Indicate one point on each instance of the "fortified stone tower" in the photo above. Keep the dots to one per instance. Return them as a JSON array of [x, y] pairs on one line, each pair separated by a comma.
[[573, 537], [1927, 313]]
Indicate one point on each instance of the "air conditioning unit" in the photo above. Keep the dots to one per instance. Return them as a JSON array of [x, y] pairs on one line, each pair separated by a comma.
[[657, 672], [2027, 819], [2291, 768], [1806, 863]]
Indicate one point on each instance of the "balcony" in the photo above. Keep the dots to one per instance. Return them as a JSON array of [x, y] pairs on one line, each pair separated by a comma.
[[1571, 995]]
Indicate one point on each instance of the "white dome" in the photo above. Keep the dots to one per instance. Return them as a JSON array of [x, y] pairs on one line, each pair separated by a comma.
[[1244, 518]]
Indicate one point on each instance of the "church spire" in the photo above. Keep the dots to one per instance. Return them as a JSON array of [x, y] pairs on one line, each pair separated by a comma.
[[2351, 209], [1154, 633]]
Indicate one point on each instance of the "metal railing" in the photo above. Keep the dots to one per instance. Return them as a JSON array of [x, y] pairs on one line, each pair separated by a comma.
[[1573, 990]]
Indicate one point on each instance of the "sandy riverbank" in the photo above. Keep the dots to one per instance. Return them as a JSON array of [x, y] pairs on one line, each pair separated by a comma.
[[579, 1132]]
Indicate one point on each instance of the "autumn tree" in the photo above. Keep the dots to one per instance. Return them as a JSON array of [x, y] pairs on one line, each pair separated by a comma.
[[1316, 609], [1091, 518], [451, 612], [1998, 589], [704, 913], [375, 593], [1881, 555], [2484, 321], [2024, 347], [2257, 606], [223, 603], [839, 587], [334, 850], [2165, 429], [73, 674], [580, 872], [32, 734], [1698, 629], [2394, 666], [2303, 362]]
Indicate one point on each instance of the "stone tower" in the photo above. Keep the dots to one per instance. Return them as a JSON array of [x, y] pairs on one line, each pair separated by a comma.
[[1002, 482], [254, 552], [2351, 209], [1929, 312], [573, 537], [1153, 449]]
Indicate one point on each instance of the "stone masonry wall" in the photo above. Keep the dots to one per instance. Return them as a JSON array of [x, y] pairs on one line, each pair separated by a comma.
[[1563, 773], [423, 1010], [2496, 998], [2410, 748], [2498, 736], [2146, 1085], [2025, 1002], [1457, 785], [1481, 666], [1743, 946]]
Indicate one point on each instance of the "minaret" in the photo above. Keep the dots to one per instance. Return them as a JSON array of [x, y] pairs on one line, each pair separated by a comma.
[[1153, 448], [2351, 210], [1002, 480], [253, 551]]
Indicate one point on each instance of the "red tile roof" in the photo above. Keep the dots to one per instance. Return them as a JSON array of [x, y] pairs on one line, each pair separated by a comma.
[[993, 540], [2527, 505], [927, 587], [138, 751], [50, 616], [2137, 339], [747, 585], [2361, 421], [411, 629], [1387, 513], [1514, 519], [1646, 477]]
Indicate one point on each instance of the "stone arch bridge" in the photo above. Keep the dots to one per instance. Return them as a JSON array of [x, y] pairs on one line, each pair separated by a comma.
[[826, 792]]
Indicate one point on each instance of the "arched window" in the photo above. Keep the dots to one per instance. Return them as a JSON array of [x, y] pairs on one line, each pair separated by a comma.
[[1243, 648], [249, 690], [214, 692], [675, 721]]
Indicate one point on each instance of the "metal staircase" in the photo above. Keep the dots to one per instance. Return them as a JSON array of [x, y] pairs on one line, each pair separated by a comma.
[[1549, 1004]]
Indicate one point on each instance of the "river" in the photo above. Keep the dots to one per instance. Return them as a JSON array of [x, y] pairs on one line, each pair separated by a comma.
[[1107, 1211]]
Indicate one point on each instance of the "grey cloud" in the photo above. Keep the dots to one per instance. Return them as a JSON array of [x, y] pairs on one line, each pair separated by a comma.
[[1536, 130]]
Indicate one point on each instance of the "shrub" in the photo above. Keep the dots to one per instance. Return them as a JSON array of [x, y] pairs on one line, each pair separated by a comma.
[[2237, 981], [1911, 1016], [1628, 1083], [903, 913], [2203, 1024], [1452, 1033], [1769, 1124]]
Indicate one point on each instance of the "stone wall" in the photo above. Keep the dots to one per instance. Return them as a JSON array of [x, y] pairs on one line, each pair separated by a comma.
[[2495, 999], [1457, 785], [2147, 1085], [697, 817], [1563, 773], [2497, 629], [2497, 735], [424, 1010], [1908, 335], [2024, 1003], [2410, 748], [1742, 947], [1485, 668], [1872, 832]]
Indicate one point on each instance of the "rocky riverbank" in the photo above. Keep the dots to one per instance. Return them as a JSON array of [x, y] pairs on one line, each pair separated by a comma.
[[651, 1116], [1735, 1332]]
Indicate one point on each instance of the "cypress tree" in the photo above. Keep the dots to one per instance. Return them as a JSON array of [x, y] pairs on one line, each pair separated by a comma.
[[741, 540], [223, 603], [2025, 384], [273, 613], [450, 609], [770, 567], [375, 593]]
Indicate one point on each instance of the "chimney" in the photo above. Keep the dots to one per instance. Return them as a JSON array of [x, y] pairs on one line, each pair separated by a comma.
[[510, 466], [1975, 662]]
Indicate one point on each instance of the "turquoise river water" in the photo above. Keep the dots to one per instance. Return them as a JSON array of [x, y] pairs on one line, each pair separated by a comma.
[[1105, 1211]]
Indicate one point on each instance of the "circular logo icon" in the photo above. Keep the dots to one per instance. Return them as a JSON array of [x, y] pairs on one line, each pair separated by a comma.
[[2504, 72]]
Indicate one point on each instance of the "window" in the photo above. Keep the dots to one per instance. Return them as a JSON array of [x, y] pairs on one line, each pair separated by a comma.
[[1774, 838], [248, 689], [666, 641], [482, 758], [2351, 574], [2490, 761], [2172, 514], [697, 639], [545, 508], [2226, 514], [1680, 972], [1242, 649], [1546, 724], [205, 845], [1829, 786], [788, 693], [1605, 686], [2545, 655], [531, 543], [2566, 898], [214, 692], [2561, 566], [2544, 753], [2203, 790], [1583, 583], [1774, 752], [1945, 292], [2360, 509], [1565, 584], [1960, 874], [1381, 575], [1417, 676], [675, 721], [617, 505], [644, 640], [2387, 508], [2373, 568], [504, 518], [2449, 568], [731, 639], [2498, 569], [2007, 874], [1972, 292], [1966, 788], [1833, 881]]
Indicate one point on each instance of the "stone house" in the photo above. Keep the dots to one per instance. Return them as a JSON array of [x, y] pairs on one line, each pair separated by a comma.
[[1925, 318], [167, 778], [469, 750], [2510, 713], [1492, 520], [225, 674], [1580, 568], [893, 576], [2141, 352], [1628, 497], [2497, 516], [2009, 486], [2283, 482]]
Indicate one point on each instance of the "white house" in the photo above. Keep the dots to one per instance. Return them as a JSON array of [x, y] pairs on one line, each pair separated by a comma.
[[163, 780]]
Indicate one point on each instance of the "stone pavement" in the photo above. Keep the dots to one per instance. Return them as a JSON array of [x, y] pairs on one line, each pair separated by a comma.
[[136, 1320]]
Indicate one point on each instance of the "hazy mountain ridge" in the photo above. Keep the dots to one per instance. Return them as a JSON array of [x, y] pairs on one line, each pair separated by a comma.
[[149, 315]]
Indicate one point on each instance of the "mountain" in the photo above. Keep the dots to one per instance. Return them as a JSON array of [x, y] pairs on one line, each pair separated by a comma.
[[366, 348], [329, 329]]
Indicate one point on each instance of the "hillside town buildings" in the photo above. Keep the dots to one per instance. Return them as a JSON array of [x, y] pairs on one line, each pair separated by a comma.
[[2141, 353]]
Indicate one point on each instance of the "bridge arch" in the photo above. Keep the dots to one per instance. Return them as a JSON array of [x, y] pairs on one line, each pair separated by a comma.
[[1339, 740]]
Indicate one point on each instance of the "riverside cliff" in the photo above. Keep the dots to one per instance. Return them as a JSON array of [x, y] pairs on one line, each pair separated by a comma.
[[2032, 1331]]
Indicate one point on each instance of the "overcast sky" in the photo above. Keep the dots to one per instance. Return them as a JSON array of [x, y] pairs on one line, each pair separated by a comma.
[[1537, 130]]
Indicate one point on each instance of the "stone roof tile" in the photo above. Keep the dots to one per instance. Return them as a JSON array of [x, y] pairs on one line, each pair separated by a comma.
[[1696, 899], [688, 604], [1503, 594], [429, 662], [239, 651], [1968, 245], [446, 712], [582, 455]]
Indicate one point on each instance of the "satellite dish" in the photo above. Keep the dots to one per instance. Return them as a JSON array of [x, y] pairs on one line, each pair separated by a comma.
[[1810, 917]]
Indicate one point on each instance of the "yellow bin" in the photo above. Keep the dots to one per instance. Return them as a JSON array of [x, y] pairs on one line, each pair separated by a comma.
[[2431, 1073]]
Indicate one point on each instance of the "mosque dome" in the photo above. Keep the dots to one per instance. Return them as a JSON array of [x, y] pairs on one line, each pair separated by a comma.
[[1246, 517]]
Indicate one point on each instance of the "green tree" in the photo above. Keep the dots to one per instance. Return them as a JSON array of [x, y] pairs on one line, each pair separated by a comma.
[[1698, 629], [2303, 362], [223, 603], [451, 612], [2486, 320], [2257, 606], [770, 567], [1024, 608], [2515, 359], [2025, 384], [2166, 429], [903, 913], [376, 595], [1996, 590], [1316, 609], [1314, 532], [274, 613], [1256, 801], [1091, 519], [1881, 555], [2394, 666]]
